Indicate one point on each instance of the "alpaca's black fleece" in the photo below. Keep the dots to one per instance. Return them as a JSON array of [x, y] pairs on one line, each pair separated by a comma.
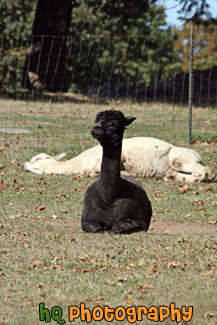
[[114, 203], [109, 116]]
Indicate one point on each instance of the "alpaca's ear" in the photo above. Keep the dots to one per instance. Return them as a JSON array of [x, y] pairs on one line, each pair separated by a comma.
[[129, 120]]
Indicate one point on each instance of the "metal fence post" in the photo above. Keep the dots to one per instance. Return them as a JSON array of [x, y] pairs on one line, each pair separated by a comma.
[[191, 84]]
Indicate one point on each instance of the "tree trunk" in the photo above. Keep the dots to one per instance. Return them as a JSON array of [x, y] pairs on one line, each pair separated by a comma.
[[45, 62]]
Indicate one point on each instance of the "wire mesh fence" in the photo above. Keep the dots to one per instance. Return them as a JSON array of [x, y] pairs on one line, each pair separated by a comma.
[[86, 70], [137, 68]]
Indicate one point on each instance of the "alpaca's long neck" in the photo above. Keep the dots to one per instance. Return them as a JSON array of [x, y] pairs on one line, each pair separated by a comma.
[[110, 170]]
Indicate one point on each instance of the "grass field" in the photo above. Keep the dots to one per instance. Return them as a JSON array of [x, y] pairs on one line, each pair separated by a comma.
[[45, 256]]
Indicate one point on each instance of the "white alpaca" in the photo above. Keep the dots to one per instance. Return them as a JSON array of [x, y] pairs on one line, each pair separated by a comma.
[[141, 157]]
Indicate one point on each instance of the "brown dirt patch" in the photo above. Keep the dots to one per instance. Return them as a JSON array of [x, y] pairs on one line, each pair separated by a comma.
[[156, 227], [162, 227]]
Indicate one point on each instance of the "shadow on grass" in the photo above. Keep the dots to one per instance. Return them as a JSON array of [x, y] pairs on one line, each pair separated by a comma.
[[82, 97]]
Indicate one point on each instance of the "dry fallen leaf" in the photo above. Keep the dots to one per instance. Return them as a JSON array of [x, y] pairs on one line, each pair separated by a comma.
[[6, 145], [43, 295], [210, 314], [153, 269], [208, 188], [35, 263], [16, 216], [57, 266], [198, 202], [61, 196], [130, 266], [119, 282], [144, 288], [184, 188], [157, 194], [25, 245], [54, 260], [40, 208], [201, 209], [35, 218], [129, 301], [173, 264]]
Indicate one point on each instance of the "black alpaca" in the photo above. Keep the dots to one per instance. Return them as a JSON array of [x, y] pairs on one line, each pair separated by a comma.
[[114, 203]]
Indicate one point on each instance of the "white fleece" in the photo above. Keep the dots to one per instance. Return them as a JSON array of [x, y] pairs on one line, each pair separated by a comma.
[[141, 157]]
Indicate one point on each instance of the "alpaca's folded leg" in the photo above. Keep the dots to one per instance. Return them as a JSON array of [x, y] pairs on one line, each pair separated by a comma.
[[128, 226], [92, 226], [180, 177]]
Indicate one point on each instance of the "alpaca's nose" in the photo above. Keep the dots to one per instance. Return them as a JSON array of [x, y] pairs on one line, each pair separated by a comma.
[[97, 126], [97, 130]]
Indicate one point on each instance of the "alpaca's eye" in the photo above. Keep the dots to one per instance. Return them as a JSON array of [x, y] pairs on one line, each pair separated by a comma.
[[111, 124]]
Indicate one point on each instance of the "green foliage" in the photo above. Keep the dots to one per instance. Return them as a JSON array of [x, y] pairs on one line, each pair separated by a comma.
[[15, 26], [113, 43], [205, 55], [17, 17], [121, 44], [198, 138]]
